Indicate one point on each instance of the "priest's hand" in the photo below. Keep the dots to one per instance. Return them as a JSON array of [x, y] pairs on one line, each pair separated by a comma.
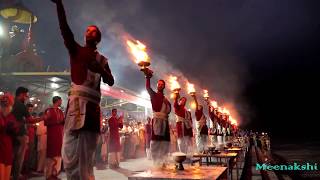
[[148, 73]]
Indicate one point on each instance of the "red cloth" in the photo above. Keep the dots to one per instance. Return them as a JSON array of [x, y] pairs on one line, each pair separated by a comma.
[[188, 132], [114, 140], [181, 112], [211, 116], [54, 121], [157, 99], [8, 128], [80, 57], [31, 133]]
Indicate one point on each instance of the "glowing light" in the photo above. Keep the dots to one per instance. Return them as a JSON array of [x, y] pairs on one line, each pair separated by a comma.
[[233, 121], [1, 93], [214, 104], [37, 124], [174, 84], [225, 111], [35, 105], [1, 30], [138, 50], [55, 93], [144, 94], [205, 94], [31, 99], [54, 79], [193, 105], [190, 88], [54, 85]]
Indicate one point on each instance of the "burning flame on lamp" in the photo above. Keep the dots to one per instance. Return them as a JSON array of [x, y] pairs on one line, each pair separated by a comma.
[[174, 84], [233, 121], [206, 95], [193, 105], [225, 111], [191, 89], [138, 50], [214, 104]]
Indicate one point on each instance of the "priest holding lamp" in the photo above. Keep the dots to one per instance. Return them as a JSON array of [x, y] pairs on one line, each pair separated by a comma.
[[201, 122], [214, 116], [183, 120], [160, 132]]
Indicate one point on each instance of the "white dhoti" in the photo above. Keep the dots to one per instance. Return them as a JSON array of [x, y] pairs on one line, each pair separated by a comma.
[[41, 146], [219, 144], [78, 152], [185, 144], [159, 149], [201, 139], [148, 152], [214, 140], [79, 145]]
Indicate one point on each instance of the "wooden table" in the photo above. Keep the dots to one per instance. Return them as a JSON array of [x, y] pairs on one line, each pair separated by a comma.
[[221, 155], [234, 149], [190, 173], [228, 156]]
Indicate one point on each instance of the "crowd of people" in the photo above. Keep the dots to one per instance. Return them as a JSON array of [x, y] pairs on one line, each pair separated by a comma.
[[29, 142], [260, 140]]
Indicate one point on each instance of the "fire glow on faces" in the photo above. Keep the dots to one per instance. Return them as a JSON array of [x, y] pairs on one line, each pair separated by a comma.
[[92, 35], [161, 85]]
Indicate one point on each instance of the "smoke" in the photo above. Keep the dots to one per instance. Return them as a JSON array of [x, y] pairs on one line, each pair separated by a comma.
[[174, 48]]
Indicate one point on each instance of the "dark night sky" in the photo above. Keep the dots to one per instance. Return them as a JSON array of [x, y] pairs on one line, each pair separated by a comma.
[[260, 55]]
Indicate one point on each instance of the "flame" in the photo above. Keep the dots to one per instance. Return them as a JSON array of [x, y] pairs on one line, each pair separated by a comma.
[[193, 105], [225, 111], [138, 50], [214, 104], [233, 121], [205, 93], [191, 88], [174, 84]]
